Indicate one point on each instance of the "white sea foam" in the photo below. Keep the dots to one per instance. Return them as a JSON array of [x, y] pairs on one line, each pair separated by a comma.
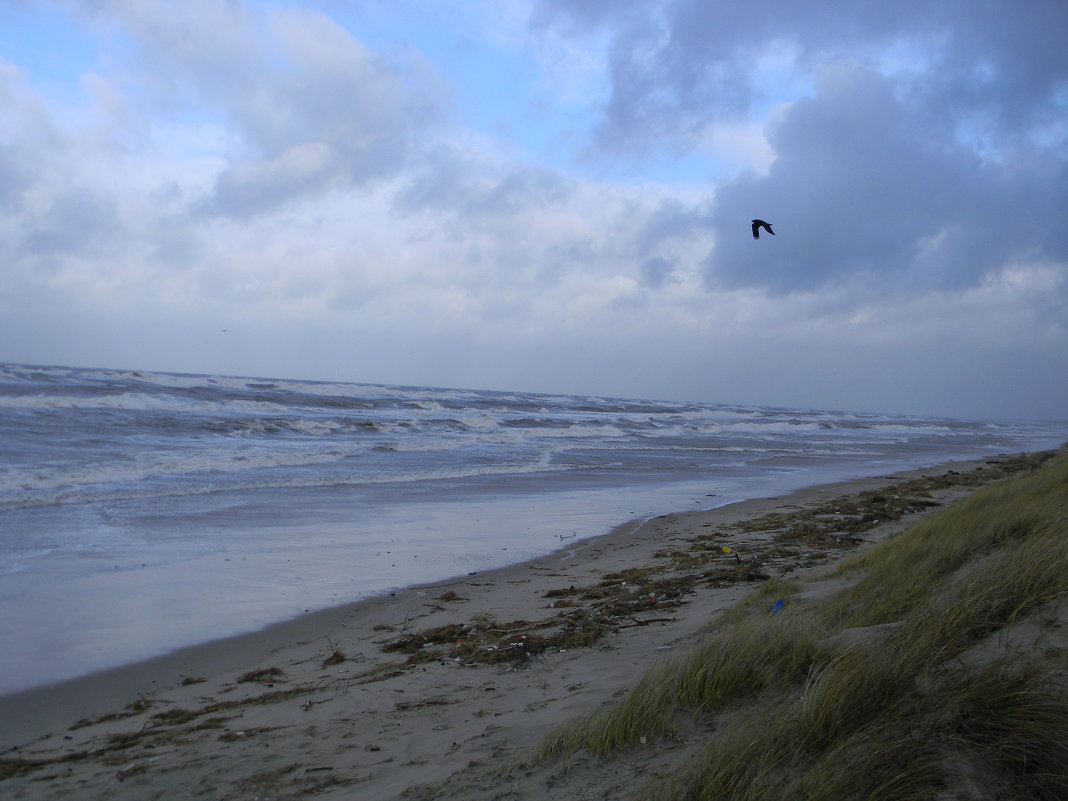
[[135, 401]]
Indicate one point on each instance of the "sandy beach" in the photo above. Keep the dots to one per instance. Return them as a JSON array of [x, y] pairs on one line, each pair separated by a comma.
[[438, 690]]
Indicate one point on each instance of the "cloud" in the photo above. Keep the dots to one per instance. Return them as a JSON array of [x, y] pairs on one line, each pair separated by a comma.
[[473, 180], [677, 65], [73, 222], [20, 116], [54, 213], [918, 145], [309, 107], [254, 186], [858, 188]]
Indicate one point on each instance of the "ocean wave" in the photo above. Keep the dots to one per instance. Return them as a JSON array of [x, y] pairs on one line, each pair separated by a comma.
[[563, 431], [81, 428], [268, 426], [72, 492], [133, 401], [159, 466]]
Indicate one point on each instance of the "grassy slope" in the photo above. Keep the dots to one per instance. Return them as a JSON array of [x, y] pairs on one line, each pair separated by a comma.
[[934, 672]]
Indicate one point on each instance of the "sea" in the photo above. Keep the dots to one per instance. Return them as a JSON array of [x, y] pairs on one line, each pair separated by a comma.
[[141, 512]]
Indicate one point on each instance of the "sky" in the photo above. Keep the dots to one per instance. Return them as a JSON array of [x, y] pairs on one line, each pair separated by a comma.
[[547, 195]]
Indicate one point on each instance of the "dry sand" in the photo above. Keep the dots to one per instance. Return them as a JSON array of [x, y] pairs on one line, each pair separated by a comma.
[[186, 726]]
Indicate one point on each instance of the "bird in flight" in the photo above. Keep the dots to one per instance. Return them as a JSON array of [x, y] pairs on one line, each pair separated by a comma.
[[757, 225]]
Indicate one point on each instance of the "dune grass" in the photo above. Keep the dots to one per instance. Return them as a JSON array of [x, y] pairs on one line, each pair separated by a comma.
[[928, 671], [900, 575]]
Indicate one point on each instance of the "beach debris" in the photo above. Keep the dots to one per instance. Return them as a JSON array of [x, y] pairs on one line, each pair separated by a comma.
[[134, 769], [777, 606], [336, 658], [229, 736], [132, 709], [584, 615], [266, 676], [647, 621], [408, 706], [726, 550], [164, 728]]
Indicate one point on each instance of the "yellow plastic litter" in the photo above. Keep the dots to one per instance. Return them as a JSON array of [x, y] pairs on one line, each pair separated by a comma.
[[725, 549]]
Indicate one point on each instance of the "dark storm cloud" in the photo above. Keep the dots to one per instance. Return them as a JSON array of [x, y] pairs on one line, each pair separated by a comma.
[[932, 147], [856, 188], [678, 64]]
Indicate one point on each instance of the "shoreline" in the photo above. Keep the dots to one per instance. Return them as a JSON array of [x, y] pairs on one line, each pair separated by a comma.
[[276, 634], [411, 713], [98, 608]]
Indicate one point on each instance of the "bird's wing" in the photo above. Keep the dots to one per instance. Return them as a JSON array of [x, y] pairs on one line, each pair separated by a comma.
[[768, 226], [756, 230]]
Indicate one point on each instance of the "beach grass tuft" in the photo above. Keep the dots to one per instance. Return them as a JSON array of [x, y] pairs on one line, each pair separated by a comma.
[[928, 670]]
